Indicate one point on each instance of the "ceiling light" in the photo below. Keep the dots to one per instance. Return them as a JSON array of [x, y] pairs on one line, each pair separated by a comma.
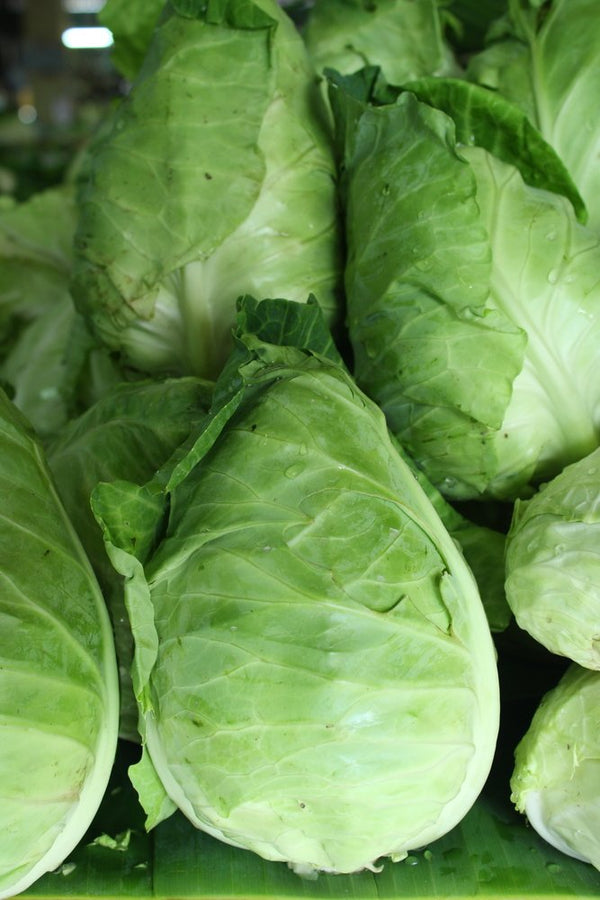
[[92, 38]]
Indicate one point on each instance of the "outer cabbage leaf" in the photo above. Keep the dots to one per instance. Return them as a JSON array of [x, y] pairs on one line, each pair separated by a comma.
[[59, 698], [429, 347], [479, 345], [550, 66], [483, 548], [216, 179], [314, 668], [555, 780], [49, 361], [37, 367], [486, 119], [403, 37], [482, 545], [129, 434], [553, 563], [35, 266], [132, 23], [55, 369], [36, 239]]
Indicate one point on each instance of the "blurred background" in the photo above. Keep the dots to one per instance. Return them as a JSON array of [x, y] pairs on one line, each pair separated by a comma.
[[56, 78]]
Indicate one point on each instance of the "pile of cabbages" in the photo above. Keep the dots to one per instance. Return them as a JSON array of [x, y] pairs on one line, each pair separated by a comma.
[[300, 416]]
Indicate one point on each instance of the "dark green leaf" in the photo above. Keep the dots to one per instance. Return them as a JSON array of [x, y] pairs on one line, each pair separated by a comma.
[[486, 119]]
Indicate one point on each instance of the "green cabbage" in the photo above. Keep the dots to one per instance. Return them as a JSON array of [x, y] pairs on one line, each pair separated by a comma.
[[553, 563], [215, 178], [313, 665], [556, 778], [59, 698], [472, 288]]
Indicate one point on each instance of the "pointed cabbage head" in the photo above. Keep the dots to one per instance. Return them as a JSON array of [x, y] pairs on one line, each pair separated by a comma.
[[314, 668], [59, 699]]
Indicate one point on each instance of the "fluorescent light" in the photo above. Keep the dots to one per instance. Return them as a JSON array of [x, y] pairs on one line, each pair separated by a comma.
[[92, 38]]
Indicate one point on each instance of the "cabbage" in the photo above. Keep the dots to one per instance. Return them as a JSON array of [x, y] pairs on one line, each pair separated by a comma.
[[472, 287], [553, 563], [555, 781], [59, 698], [215, 178], [313, 665]]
